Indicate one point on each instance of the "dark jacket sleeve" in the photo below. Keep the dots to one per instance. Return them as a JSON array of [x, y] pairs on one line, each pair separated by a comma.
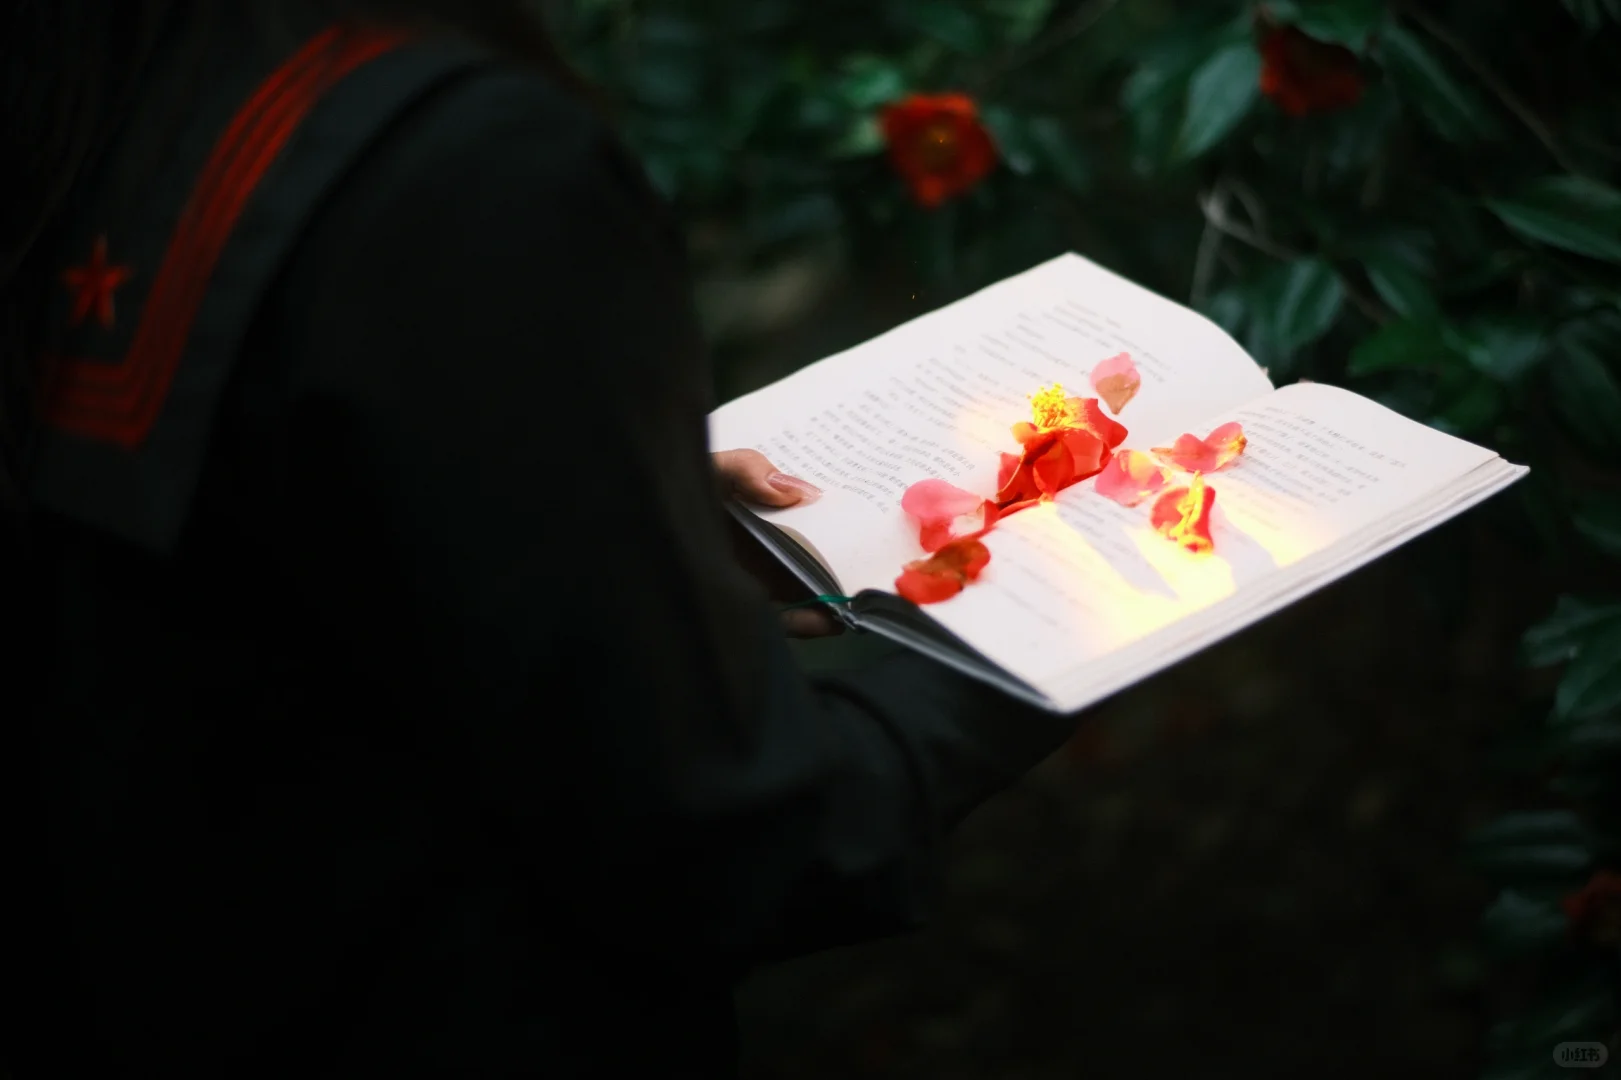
[[495, 437]]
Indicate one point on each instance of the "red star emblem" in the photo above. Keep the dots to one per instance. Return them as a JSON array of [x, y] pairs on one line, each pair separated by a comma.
[[93, 286]]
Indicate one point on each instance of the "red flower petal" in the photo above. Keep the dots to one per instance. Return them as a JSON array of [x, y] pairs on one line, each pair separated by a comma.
[[937, 145], [1130, 477], [1182, 515], [1024, 431], [1211, 454], [1087, 413], [943, 574], [1116, 380], [1303, 75], [1010, 464]]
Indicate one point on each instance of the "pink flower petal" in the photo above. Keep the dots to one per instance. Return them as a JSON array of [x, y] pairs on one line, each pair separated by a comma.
[[1219, 450], [936, 500], [945, 512], [1116, 381], [1130, 477], [1089, 415]]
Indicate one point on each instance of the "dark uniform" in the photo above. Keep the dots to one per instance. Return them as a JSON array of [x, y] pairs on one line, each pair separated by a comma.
[[401, 709]]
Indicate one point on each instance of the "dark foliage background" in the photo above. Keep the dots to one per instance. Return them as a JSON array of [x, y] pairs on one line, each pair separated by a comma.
[[1375, 834]]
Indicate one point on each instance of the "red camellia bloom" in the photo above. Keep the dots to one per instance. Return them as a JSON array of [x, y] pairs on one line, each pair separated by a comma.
[[1595, 911], [1070, 440], [1304, 75], [938, 146], [943, 574]]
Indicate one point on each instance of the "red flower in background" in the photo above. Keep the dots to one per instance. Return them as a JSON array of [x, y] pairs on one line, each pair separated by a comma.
[[937, 145], [1595, 912], [1303, 75], [943, 574]]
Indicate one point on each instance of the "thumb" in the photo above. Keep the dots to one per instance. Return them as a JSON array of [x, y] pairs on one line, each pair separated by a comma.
[[749, 475]]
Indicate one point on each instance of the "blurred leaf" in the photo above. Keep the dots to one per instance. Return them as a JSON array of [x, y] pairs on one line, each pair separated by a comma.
[[1473, 410], [1309, 303], [1586, 392], [1400, 285], [1455, 110], [1576, 1011], [1558, 638], [1011, 133], [1502, 346], [1594, 14], [864, 136], [1403, 344], [1060, 154], [1568, 212], [792, 218], [1343, 22], [871, 81], [1532, 827], [1599, 522], [949, 23], [1153, 95], [1227, 309], [1220, 95], [1592, 683], [1515, 923], [1022, 19], [1534, 862]]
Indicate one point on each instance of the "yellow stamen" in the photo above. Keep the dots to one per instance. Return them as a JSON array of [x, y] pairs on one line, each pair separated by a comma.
[[1048, 409]]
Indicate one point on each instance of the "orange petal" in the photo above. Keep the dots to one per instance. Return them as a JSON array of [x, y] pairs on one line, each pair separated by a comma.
[[1211, 454], [1130, 477], [1116, 381], [1024, 431], [1182, 515], [1087, 452]]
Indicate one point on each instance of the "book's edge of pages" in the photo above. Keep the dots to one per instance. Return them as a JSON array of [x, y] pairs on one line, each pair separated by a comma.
[[1083, 691], [797, 554]]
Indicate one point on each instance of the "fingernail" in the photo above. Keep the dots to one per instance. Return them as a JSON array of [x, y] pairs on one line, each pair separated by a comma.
[[793, 485]]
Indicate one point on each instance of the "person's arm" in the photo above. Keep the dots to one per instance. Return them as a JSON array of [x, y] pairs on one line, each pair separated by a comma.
[[499, 386]]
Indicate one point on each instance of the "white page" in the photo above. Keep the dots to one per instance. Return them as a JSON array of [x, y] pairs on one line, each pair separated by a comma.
[[936, 397], [1087, 684], [1071, 582]]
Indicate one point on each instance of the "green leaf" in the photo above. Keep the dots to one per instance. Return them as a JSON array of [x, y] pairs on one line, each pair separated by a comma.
[[1586, 391], [1455, 110], [1599, 522], [1594, 14], [949, 23], [1400, 285], [871, 81], [1532, 827], [1515, 923], [1572, 213], [1343, 22], [1558, 638], [1592, 683], [864, 136], [1060, 154], [1505, 347], [1473, 410], [1220, 95], [1534, 862], [1405, 344], [1309, 303], [1228, 309]]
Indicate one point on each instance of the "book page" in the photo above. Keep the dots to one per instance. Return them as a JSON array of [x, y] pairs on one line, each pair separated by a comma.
[[1073, 581], [937, 396]]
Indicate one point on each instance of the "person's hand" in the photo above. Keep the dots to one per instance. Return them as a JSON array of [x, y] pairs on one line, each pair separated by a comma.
[[750, 476]]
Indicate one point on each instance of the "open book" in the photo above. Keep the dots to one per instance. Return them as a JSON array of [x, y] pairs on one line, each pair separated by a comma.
[[1082, 597]]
